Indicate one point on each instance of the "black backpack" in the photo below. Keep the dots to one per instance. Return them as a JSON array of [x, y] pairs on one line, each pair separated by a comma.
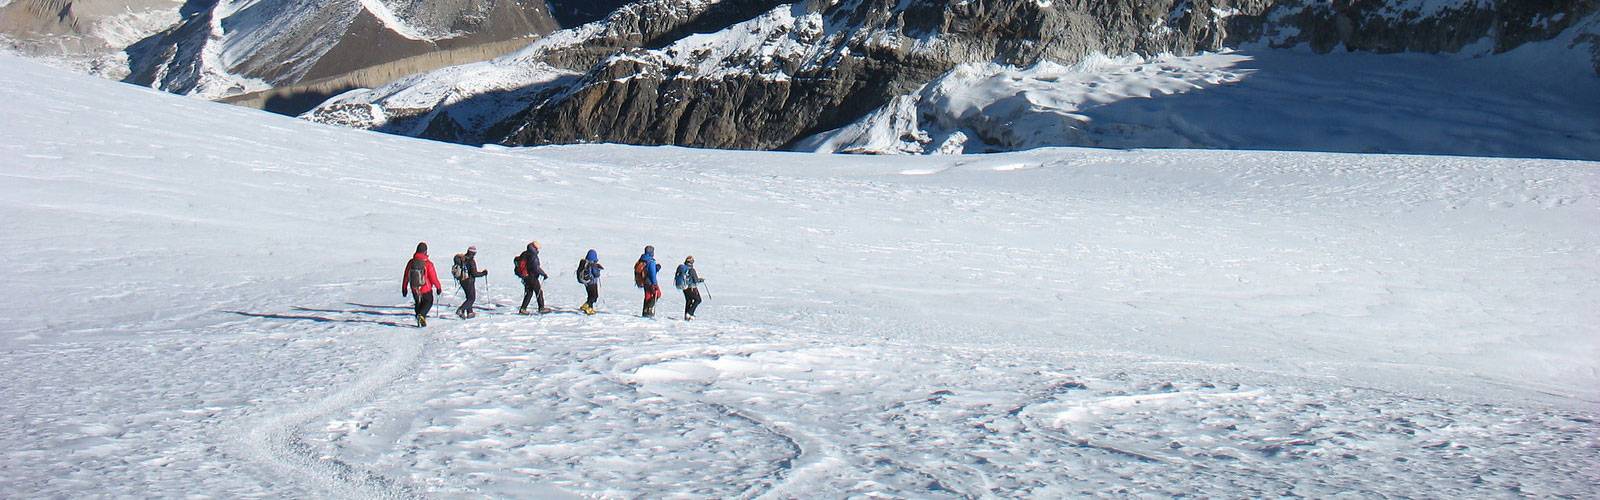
[[583, 271], [416, 274]]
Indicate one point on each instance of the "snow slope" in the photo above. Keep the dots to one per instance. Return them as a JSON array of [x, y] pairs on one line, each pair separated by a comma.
[[206, 305]]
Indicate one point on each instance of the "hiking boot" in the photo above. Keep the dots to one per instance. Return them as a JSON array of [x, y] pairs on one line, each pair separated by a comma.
[[546, 310], [688, 317], [472, 314], [522, 310], [422, 321], [461, 314]]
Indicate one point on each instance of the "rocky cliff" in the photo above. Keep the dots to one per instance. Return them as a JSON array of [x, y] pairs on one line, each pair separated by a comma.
[[754, 74]]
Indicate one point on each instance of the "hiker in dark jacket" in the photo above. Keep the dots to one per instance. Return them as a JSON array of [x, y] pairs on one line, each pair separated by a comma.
[[589, 275], [645, 277], [421, 282], [688, 280], [529, 269], [468, 281]]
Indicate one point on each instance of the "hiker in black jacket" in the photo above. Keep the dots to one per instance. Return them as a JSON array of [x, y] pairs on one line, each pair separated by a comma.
[[467, 278], [531, 272], [688, 280]]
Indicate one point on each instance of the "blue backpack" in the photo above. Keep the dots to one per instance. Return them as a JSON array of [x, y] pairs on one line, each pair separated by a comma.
[[681, 279]]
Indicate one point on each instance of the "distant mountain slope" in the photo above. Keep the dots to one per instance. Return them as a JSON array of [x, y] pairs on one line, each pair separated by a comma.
[[85, 35], [232, 46], [765, 75]]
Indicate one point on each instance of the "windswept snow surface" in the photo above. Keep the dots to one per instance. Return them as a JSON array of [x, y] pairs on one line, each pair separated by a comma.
[[204, 302]]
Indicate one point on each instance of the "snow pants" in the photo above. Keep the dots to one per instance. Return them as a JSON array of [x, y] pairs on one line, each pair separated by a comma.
[[423, 302], [691, 301], [530, 289]]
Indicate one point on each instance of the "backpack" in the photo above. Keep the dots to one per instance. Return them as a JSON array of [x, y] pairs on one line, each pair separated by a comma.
[[459, 268], [522, 266], [416, 275], [681, 279], [639, 278], [583, 271]]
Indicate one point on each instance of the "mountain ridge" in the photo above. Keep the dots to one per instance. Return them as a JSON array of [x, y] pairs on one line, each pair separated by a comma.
[[841, 61]]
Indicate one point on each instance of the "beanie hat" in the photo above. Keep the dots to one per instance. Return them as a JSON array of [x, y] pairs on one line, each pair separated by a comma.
[[422, 247], [472, 249]]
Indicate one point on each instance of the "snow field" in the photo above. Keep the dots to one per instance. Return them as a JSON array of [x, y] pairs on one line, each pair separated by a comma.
[[211, 307], [618, 406]]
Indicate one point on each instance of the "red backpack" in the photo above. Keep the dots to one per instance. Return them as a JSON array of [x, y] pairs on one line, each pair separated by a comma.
[[639, 278]]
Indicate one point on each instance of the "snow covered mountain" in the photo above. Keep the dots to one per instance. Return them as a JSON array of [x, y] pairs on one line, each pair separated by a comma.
[[204, 304], [231, 47], [877, 76]]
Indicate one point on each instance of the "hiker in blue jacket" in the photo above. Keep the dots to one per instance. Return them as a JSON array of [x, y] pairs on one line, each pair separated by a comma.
[[644, 276], [589, 275]]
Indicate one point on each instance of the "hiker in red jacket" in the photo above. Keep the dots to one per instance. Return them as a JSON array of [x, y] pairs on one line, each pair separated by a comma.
[[421, 282]]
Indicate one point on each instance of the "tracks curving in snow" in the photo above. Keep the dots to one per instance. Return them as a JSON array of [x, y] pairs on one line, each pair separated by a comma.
[[274, 439]]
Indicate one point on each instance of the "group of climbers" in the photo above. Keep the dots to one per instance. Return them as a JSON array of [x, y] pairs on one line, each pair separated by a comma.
[[422, 284]]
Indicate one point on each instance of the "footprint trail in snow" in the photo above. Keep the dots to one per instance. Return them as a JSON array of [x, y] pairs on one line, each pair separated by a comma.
[[614, 405]]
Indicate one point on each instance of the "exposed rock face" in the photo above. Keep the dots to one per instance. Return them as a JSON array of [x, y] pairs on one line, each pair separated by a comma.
[[229, 47], [754, 74], [475, 104], [837, 61]]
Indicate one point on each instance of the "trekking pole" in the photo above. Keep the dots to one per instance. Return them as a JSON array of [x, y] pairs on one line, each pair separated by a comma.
[[708, 289]]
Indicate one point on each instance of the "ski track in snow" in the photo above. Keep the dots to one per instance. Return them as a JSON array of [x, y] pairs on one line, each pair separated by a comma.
[[721, 409], [274, 439], [1045, 324]]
